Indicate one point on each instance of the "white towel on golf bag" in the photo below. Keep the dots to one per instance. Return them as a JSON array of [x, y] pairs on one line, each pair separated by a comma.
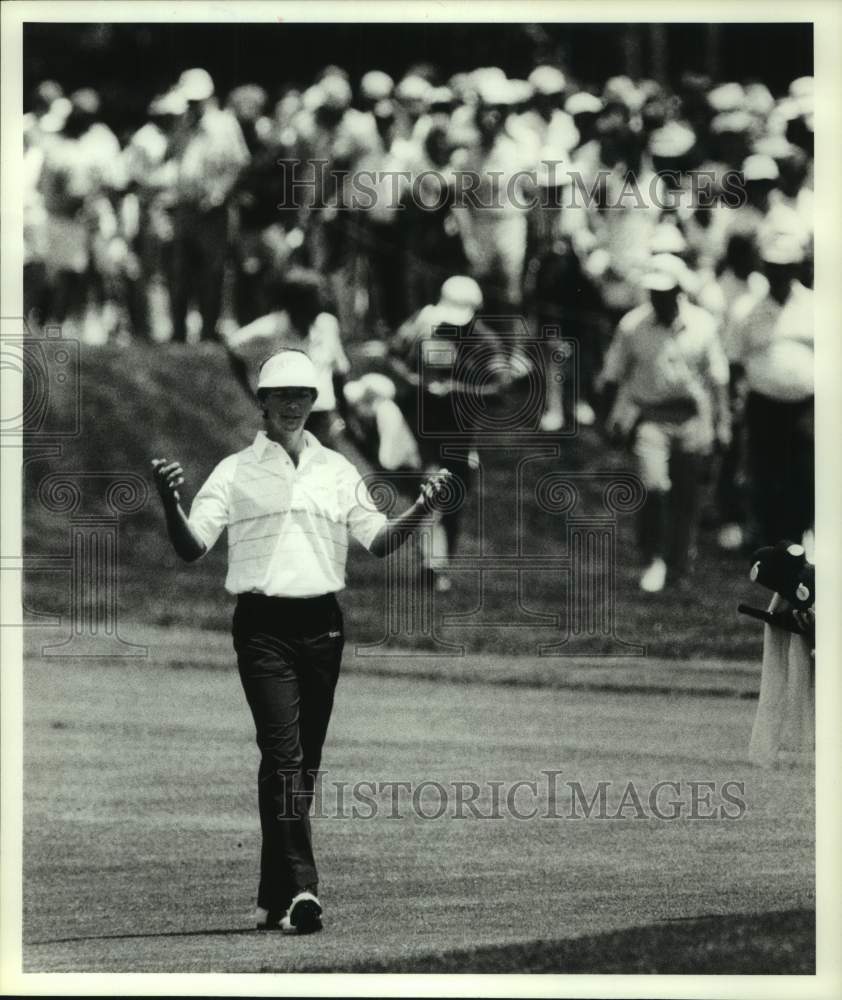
[[784, 727]]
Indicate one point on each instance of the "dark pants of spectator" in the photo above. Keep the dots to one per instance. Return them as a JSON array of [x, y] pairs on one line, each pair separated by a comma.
[[781, 466], [289, 652], [252, 276], [430, 254], [670, 465], [380, 244], [35, 292], [67, 299], [565, 298], [198, 267], [668, 521], [153, 270]]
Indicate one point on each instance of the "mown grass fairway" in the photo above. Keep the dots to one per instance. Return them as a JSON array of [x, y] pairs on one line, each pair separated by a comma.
[[141, 834]]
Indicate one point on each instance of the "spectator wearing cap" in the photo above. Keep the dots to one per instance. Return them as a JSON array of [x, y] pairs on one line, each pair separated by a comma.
[[672, 153], [256, 224], [40, 124], [209, 151], [430, 238], [299, 322], [77, 181], [759, 175], [151, 174], [792, 201], [492, 219], [772, 346], [559, 295], [447, 364], [665, 382], [411, 97], [110, 261], [585, 108], [731, 135], [763, 211], [333, 136], [623, 221], [375, 149], [727, 297], [551, 126]]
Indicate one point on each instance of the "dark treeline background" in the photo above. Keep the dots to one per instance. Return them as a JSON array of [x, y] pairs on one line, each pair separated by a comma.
[[130, 63]]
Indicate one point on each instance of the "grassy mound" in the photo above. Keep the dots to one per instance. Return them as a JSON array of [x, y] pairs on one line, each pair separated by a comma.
[[160, 400]]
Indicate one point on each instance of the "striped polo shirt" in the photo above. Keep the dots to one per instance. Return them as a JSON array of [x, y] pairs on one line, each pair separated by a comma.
[[287, 527]]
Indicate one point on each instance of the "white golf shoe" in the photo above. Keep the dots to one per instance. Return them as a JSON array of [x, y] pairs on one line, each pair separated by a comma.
[[304, 915]]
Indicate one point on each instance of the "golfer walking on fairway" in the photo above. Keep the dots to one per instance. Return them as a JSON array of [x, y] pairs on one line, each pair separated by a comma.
[[289, 505]]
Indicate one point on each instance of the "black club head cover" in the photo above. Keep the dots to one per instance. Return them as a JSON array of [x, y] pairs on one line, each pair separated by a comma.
[[783, 568]]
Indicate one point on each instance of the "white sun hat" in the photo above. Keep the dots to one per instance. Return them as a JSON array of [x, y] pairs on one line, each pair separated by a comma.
[[286, 370]]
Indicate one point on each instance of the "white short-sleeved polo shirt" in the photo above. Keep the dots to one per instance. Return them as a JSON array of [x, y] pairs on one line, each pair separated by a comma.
[[288, 527]]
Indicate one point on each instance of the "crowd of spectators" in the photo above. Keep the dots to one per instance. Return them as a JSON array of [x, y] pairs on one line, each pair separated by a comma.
[[667, 232]]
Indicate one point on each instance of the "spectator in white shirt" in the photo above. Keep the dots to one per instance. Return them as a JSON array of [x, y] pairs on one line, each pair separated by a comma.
[[209, 151], [666, 377], [773, 346]]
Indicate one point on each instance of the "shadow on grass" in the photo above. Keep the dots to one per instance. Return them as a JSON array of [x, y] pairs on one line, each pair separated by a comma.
[[208, 932], [781, 943]]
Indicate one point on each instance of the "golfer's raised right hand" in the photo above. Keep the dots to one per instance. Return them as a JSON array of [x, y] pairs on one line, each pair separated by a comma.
[[168, 477]]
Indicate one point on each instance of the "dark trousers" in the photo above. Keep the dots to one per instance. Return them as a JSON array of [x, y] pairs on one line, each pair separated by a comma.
[[288, 652], [781, 466], [668, 521], [671, 457], [199, 250]]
